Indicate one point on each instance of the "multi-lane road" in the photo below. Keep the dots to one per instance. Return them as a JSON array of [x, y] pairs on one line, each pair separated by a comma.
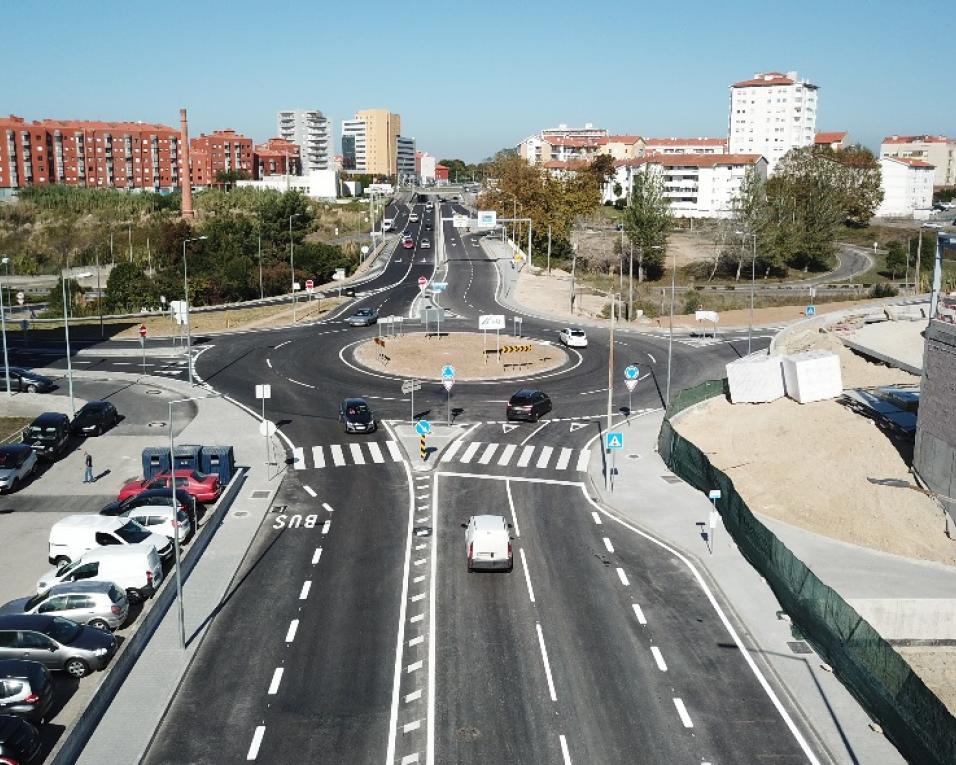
[[353, 632]]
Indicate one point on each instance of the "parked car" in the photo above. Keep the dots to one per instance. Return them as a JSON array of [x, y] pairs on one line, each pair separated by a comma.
[[356, 416], [94, 418], [158, 519], [17, 463], [26, 690], [528, 404], [26, 380], [363, 317], [55, 642], [19, 741], [88, 601], [408, 244], [152, 498], [74, 535], [136, 569], [573, 337], [48, 435], [205, 487], [488, 543], [425, 244]]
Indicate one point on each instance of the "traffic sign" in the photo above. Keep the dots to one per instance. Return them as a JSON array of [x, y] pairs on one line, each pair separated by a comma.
[[630, 372], [267, 428], [296, 286], [410, 386], [21, 297], [309, 285], [631, 385], [439, 286], [264, 391], [614, 440], [24, 324], [448, 383], [423, 427], [811, 310], [142, 330], [447, 371], [422, 283], [365, 249], [491, 321]]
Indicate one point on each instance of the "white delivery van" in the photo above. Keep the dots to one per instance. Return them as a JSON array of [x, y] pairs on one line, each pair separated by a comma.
[[134, 568], [72, 536], [488, 542]]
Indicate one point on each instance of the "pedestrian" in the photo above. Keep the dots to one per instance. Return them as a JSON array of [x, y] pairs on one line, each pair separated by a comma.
[[88, 461]]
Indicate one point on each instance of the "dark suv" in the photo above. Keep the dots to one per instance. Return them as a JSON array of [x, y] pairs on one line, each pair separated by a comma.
[[48, 435], [528, 404], [19, 741], [356, 416]]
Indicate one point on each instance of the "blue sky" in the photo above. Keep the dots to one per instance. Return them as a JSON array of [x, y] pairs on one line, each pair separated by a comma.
[[469, 79]]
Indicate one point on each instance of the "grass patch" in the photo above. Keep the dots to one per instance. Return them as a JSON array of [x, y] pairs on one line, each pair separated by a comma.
[[12, 427]]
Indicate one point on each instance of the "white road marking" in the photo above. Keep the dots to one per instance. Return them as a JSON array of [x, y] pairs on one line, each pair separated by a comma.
[[304, 385], [450, 452], [505, 457], [376, 451], [357, 457], [298, 458], [326, 526], [416, 640], [623, 577], [318, 456], [283, 343], [533, 432], [470, 451], [394, 451], [608, 546], [410, 759], [487, 454], [544, 457], [639, 614], [527, 576], [269, 363], [563, 458], [653, 360], [416, 598], [420, 547], [316, 555], [257, 735], [659, 658], [564, 749], [682, 711], [328, 507], [584, 457], [338, 456], [414, 667], [276, 679], [419, 579], [589, 392], [432, 630], [547, 665], [413, 696], [310, 491], [290, 633], [420, 561], [409, 727], [597, 518], [306, 586], [417, 618], [525, 457]]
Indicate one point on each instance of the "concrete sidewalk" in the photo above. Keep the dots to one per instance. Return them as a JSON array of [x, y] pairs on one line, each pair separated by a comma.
[[647, 495]]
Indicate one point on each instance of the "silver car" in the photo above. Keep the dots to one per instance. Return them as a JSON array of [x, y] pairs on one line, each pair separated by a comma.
[[158, 519], [55, 642], [99, 604], [17, 463]]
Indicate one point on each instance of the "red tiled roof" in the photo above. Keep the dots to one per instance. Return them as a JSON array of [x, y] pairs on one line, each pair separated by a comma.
[[629, 139], [277, 147], [685, 141], [53, 124], [698, 160], [917, 139], [911, 161], [764, 80], [835, 136]]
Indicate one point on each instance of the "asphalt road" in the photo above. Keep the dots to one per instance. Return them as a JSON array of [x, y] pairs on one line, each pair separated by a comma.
[[354, 633]]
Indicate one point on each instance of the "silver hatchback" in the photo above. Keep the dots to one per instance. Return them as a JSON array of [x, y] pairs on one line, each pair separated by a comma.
[[99, 604]]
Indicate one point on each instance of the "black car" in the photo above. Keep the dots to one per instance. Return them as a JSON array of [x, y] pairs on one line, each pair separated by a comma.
[[356, 416], [26, 380], [19, 741], [186, 501], [26, 689], [48, 435], [94, 418], [528, 404]]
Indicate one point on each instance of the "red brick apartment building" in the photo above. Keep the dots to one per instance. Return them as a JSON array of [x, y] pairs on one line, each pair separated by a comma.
[[220, 151], [122, 155], [277, 157]]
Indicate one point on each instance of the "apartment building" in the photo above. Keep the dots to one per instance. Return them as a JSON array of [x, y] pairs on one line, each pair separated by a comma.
[[425, 165], [907, 185], [311, 131], [562, 144], [623, 147], [276, 157], [353, 145], [937, 150], [771, 114], [405, 159], [370, 142], [122, 155], [835, 139], [685, 145], [220, 151], [695, 185]]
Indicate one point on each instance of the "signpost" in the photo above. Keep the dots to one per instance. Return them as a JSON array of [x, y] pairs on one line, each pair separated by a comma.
[[459, 221], [422, 283], [487, 219], [423, 428], [21, 297], [142, 344], [410, 386], [339, 275], [309, 287], [495, 321], [613, 441], [810, 310], [630, 380], [448, 380], [713, 496], [266, 428]]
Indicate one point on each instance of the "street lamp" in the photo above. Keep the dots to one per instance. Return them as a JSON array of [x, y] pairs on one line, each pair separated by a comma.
[[66, 330], [670, 339], [189, 339], [753, 274], [3, 321], [292, 262]]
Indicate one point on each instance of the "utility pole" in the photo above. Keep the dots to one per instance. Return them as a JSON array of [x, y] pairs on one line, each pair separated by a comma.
[[670, 339], [261, 293], [906, 279], [610, 383], [630, 285], [753, 277], [549, 249], [574, 262], [919, 255]]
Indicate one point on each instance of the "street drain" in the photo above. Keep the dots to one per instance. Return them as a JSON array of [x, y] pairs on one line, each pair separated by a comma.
[[241, 513], [260, 494], [633, 456], [156, 424], [798, 646], [468, 734], [671, 478], [153, 392]]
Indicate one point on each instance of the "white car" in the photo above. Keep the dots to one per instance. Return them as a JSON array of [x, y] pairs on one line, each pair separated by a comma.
[[158, 519], [488, 542], [573, 337], [413, 218], [424, 244], [17, 463]]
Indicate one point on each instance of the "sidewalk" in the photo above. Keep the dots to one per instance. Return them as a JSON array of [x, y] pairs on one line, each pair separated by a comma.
[[644, 496]]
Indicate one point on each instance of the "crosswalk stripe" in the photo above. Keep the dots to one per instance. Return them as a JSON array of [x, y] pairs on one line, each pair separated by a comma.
[[357, 457], [376, 451], [298, 457], [393, 450], [318, 456], [451, 451], [544, 456], [584, 457], [338, 457], [505, 457], [563, 459], [470, 451], [525, 457], [487, 454]]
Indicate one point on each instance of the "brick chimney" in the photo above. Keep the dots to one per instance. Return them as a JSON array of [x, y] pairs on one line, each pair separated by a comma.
[[185, 174]]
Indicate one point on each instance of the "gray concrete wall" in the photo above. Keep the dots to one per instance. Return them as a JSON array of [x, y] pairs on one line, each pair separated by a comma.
[[909, 618], [934, 458]]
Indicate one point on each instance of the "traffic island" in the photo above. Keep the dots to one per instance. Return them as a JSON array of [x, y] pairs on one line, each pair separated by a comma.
[[473, 355]]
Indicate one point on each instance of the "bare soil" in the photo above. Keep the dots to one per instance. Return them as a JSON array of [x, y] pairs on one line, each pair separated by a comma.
[[415, 355], [937, 668]]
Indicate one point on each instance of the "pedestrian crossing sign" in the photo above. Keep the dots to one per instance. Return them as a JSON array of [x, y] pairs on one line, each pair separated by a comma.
[[614, 440]]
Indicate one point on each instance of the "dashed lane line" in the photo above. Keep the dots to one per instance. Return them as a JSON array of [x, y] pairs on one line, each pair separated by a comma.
[[641, 619], [658, 658], [682, 712], [257, 735], [276, 679], [547, 664]]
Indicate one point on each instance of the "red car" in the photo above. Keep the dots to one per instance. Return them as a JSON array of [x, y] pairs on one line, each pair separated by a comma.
[[205, 488], [408, 244]]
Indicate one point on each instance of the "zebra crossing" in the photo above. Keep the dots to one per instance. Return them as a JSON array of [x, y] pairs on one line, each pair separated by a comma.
[[342, 455], [529, 456]]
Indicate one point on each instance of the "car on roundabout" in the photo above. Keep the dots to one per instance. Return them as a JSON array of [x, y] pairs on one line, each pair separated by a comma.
[[528, 404], [356, 416], [573, 337], [363, 317]]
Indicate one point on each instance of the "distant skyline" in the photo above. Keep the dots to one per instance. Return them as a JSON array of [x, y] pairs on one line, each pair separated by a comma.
[[470, 81]]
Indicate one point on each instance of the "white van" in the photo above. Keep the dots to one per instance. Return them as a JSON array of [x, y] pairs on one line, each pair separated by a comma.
[[72, 536], [488, 542], [134, 568]]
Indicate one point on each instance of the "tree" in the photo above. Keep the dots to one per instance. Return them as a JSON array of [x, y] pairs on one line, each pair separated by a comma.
[[860, 180], [749, 217], [74, 293], [229, 177], [647, 222], [602, 169], [128, 289], [896, 259]]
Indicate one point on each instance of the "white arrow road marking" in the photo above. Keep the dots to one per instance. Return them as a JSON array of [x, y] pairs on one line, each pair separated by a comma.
[[507, 427], [577, 426]]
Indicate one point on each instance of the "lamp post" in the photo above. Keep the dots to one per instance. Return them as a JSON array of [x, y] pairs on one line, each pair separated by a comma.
[[753, 276], [610, 378], [66, 331], [189, 339], [670, 339], [3, 322], [292, 262]]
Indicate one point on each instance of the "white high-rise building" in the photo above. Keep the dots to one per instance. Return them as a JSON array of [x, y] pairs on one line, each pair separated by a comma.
[[312, 132], [771, 114], [354, 145]]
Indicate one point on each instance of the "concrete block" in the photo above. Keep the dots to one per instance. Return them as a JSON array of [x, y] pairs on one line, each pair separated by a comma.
[[755, 379], [909, 618], [812, 376]]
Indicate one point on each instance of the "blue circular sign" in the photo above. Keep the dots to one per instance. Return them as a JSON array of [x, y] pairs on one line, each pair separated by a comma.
[[630, 372], [447, 371], [423, 427]]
